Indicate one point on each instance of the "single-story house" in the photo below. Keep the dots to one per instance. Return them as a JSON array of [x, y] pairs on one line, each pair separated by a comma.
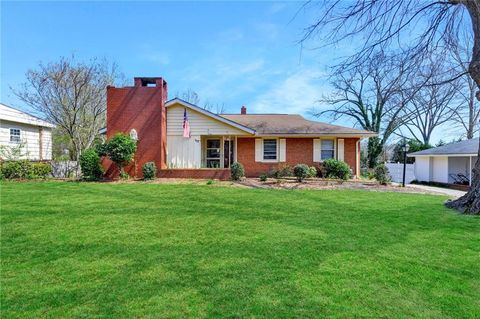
[[31, 135], [450, 164], [185, 140]]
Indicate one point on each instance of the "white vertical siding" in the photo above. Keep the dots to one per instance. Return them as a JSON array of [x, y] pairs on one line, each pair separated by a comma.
[[440, 169], [184, 152], [422, 169], [30, 137]]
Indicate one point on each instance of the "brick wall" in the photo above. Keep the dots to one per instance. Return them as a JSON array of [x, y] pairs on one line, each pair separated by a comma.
[[141, 108], [220, 173], [298, 150]]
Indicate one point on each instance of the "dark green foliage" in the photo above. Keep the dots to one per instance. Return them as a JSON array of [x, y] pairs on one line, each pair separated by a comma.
[[337, 169], [263, 177], [149, 170], [414, 146], [121, 149], [237, 171], [381, 174], [41, 170], [101, 149], [210, 182], [300, 171], [90, 165], [17, 169]]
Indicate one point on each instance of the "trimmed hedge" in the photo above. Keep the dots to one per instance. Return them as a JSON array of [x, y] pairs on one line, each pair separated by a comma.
[[24, 169]]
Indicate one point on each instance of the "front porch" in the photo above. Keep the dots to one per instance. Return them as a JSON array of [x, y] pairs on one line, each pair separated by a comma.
[[204, 152]]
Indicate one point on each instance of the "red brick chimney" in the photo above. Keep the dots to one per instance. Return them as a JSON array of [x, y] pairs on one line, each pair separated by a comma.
[[140, 107], [243, 110]]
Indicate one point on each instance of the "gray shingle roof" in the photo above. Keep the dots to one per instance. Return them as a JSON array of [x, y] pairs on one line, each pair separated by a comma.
[[467, 147]]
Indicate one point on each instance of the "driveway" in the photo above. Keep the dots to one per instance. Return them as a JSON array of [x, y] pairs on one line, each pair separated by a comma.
[[453, 193]]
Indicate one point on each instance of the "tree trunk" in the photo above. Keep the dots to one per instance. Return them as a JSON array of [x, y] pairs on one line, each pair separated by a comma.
[[374, 151], [470, 202]]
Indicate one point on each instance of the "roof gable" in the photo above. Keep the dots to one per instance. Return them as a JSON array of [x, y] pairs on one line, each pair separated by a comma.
[[8, 113], [207, 113]]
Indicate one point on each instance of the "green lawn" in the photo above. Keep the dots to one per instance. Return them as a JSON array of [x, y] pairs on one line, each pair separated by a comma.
[[80, 250]]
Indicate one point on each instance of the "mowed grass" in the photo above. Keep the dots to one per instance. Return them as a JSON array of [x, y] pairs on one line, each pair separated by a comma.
[[87, 250]]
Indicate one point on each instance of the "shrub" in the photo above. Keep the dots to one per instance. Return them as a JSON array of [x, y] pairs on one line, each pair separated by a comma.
[[121, 149], [337, 169], [210, 182], [300, 171], [312, 172], [149, 170], [381, 174], [263, 177], [17, 169], [41, 170], [90, 165], [101, 149], [237, 171]]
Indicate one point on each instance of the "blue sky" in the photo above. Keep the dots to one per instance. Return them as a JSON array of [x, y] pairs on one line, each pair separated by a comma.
[[231, 53]]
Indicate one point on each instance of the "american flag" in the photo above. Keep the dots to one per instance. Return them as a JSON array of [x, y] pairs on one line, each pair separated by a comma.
[[186, 125]]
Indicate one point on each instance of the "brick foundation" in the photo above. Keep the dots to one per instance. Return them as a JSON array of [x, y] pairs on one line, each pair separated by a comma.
[[196, 173]]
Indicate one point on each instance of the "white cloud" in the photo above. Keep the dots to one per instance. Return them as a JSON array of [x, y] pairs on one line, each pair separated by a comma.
[[297, 93]]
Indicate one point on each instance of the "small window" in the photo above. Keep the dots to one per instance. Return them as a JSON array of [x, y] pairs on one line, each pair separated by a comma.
[[269, 149], [14, 135], [328, 149]]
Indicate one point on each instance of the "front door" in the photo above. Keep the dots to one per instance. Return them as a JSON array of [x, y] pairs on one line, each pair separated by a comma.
[[228, 149]]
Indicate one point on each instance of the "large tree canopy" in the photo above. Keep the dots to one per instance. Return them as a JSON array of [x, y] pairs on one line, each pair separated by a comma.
[[411, 28]]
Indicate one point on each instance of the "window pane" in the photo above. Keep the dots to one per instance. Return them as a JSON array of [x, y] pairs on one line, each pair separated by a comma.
[[213, 163], [213, 153], [270, 149], [327, 154], [213, 143], [14, 135], [328, 145]]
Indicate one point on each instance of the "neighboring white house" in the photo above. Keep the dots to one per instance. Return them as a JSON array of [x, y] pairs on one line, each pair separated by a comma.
[[451, 163], [31, 134]]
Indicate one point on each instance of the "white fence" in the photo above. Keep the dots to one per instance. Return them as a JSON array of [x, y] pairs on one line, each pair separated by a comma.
[[65, 169], [396, 172]]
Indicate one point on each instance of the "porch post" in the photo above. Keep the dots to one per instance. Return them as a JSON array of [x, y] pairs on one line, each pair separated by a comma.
[[470, 173]]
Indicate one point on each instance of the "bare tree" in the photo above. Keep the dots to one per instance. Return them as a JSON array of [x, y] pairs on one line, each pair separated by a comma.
[[370, 95], [417, 27], [71, 95], [467, 115], [432, 104], [192, 97]]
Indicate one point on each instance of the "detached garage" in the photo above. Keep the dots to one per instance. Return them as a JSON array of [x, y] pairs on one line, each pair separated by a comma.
[[449, 164]]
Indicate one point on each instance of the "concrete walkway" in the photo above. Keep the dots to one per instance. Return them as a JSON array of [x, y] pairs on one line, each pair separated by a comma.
[[453, 193]]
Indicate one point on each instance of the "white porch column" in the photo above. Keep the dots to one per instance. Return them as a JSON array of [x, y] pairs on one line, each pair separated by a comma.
[[470, 173]]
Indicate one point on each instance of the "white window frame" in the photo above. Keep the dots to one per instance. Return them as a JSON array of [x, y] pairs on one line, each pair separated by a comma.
[[334, 148], [276, 149], [19, 135], [220, 164]]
